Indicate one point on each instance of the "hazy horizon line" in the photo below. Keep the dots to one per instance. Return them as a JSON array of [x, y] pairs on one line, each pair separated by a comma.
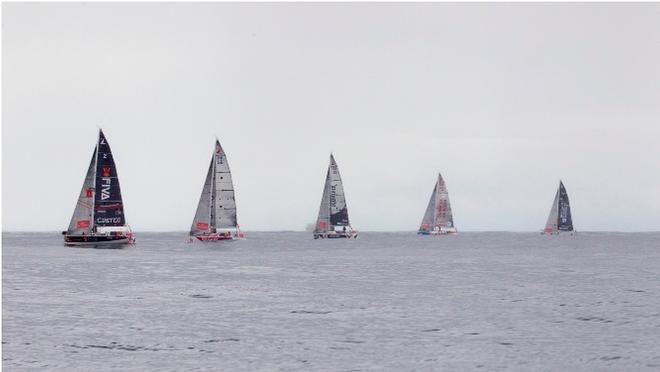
[[58, 232]]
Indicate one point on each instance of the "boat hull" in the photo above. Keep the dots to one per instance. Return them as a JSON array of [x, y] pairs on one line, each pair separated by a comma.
[[557, 232], [219, 237], [440, 232], [337, 235], [97, 241]]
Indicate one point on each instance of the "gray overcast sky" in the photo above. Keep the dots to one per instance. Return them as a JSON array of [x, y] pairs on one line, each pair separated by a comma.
[[503, 99]]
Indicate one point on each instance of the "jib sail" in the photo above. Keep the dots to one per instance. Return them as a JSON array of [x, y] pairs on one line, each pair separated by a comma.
[[83, 215], [202, 222], [323, 221], [428, 221]]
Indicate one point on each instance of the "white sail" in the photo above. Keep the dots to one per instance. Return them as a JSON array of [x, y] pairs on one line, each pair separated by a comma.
[[224, 200], [82, 220]]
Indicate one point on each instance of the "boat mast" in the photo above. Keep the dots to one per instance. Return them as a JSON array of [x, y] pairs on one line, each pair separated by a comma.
[[558, 205], [212, 196], [436, 204], [96, 163]]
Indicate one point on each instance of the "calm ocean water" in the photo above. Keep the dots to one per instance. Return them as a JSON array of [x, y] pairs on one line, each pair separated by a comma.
[[283, 301]]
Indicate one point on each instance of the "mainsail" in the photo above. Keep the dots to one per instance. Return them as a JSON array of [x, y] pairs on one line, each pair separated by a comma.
[[217, 204], [438, 212], [108, 206], [560, 218], [333, 210]]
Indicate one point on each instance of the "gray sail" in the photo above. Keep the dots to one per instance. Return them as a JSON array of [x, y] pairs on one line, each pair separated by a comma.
[[83, 214], [224, 200], [443, 216], [323, 221], [202, 222], [336, 197], [553, 218], [428, 221], [334, 210]]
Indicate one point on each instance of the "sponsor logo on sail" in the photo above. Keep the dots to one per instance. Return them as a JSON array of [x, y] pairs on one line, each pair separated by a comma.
[[441, 209], [89, 192], [106, 184], [82, 224], [102, 220], [563, 216], [202, 225], [333, 196], [106, 171]]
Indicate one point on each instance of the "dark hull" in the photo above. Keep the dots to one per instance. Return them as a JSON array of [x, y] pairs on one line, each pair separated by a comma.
[[341, 235], [97, 241]]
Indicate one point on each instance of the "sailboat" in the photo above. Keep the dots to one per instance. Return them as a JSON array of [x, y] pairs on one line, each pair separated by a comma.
[[438, 219], [98, 219], [333, 215], [560, 219], [215, 219]]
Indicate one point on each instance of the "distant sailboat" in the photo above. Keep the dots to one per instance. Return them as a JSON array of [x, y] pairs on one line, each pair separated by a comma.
[[438, 219], [98, 219], [560, 219], [215, 219], [333, 215]]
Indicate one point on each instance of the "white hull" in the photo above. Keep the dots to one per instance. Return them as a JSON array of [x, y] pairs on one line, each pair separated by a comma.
[[450, 231], [208, 238], [559, 232]]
